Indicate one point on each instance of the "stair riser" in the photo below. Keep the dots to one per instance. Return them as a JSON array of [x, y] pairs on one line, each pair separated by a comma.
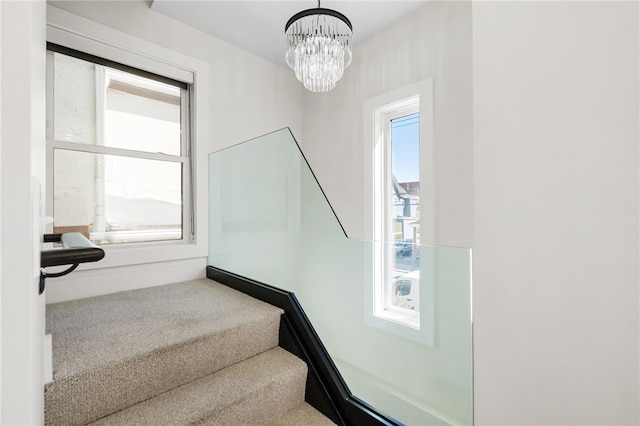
[[260, 406]]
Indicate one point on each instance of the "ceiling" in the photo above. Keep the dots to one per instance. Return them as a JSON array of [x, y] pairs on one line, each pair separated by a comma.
[[258, 26]]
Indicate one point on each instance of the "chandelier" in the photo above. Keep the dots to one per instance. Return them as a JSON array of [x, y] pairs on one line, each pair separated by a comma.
[[319, 47]]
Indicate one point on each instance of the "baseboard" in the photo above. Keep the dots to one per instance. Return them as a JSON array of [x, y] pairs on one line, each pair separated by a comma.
[[97, 282]]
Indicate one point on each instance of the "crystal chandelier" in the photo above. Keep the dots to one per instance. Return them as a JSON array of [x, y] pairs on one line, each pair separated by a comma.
[[319, 47]]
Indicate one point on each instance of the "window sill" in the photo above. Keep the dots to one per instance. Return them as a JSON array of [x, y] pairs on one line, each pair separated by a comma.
[[409, 319], [143, 253]]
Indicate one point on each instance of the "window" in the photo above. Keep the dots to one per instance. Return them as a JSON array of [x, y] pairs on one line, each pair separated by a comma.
[[119, 151], [397, 213]]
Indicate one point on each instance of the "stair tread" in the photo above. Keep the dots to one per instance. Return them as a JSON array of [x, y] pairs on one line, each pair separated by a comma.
[[112, 351], [90, 332], [303, 414], [215, 399]]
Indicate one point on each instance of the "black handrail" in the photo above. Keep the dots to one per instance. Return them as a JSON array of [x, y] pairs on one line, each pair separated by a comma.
[[76, 249]]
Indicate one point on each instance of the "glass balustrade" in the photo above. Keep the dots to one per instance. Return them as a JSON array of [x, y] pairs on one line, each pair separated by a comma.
[[394, 316]]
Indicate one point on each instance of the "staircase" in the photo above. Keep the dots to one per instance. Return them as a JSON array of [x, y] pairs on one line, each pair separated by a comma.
[[195, 352]]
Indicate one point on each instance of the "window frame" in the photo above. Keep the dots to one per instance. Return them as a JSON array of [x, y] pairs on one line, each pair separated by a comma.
[[384, 241], [184, 158], [382, 109], [78, 33]]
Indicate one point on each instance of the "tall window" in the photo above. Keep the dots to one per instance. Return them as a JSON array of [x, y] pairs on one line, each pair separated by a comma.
[[397, 213], [119, 152]]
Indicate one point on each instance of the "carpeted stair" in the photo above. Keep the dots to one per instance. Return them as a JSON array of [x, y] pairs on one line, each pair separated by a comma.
[[189, 353]]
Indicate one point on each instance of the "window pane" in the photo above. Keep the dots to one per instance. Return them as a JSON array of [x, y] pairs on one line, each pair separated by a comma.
[[405, 216], [101, 106], [74, 100], [117, 199], [141, 114]]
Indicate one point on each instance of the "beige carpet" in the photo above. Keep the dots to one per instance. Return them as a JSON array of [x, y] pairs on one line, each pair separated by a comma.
[[196, 350]]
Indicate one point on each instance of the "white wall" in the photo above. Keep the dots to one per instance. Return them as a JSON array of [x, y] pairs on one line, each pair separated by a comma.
[[22, 32], [417, 384], [556, 213], [553, 208], [555, 179], [1, 261], [434, 42], [246, 97]]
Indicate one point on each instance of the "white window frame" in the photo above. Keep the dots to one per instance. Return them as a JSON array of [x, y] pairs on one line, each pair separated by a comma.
[[78, 33], [383, 213], [379, 111]]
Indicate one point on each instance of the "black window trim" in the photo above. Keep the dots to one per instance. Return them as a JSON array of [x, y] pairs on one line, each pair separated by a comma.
[[116, 65]]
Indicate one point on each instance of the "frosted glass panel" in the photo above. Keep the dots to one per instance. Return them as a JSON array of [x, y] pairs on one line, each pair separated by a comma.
[[271, 222], [255, 209]]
